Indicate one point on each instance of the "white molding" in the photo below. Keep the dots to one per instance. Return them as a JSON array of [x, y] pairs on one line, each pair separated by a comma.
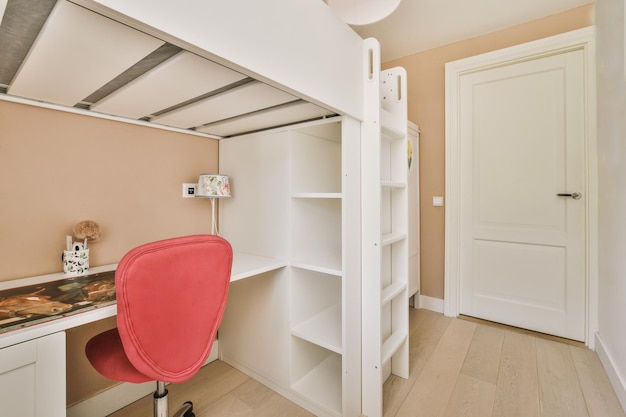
[[578, 39], [121, 395], [617, 381], [431, 303]]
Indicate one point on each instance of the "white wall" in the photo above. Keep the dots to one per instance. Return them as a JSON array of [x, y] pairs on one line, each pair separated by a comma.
[[611, 345]]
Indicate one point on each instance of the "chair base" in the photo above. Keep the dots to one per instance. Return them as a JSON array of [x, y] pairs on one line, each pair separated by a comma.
[[160, 403]]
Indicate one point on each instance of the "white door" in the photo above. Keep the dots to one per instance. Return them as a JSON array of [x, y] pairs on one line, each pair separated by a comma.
[[522, 246]]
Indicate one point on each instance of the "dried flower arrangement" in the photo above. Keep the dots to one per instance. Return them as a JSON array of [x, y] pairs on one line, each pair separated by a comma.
[[87, 231]]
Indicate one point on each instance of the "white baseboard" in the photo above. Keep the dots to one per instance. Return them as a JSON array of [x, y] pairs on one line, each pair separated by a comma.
[[430, 303], [120, 395], [617, 381]]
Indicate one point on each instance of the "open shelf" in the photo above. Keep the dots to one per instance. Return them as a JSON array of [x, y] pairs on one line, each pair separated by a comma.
[[323, 329], [246, 265], [316, 297], [309, 146], [315, 268], [316, 232], [318, 375]]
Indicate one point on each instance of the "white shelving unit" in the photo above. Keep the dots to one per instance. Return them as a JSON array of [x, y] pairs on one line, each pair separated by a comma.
[[292, 329], [385, 232]]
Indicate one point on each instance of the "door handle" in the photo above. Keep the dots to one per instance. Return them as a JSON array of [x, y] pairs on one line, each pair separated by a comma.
[[575, 196]]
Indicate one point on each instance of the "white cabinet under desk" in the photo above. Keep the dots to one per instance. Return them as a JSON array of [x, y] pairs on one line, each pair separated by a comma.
[[32, 378]]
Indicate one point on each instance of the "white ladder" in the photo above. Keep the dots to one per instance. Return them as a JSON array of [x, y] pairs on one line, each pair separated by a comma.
[[384, 194]]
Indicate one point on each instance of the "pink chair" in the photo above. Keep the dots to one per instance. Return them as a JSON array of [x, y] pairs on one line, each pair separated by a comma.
[[171, 296]]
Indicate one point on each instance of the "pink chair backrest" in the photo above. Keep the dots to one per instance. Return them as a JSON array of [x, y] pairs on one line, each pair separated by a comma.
[[171, 296]]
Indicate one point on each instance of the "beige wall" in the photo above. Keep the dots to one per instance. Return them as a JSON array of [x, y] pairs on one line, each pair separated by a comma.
[[57, 168], [426, 102]]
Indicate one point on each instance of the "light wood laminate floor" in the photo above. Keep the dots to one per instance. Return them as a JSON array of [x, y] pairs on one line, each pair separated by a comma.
[[458, 368]]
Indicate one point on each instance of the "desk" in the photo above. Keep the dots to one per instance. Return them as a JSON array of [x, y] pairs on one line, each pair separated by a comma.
[[32, 358]]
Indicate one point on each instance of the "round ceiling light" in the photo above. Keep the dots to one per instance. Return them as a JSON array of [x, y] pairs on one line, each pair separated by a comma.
[[362, 12]]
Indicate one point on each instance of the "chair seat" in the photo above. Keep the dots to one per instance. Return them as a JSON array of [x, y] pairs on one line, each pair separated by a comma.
[[106, 354]]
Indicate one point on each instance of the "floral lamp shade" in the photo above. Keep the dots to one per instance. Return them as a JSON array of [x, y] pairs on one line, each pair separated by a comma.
[[213, 186]]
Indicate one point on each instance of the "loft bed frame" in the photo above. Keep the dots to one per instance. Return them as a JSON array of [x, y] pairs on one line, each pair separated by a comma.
[[154, 62]]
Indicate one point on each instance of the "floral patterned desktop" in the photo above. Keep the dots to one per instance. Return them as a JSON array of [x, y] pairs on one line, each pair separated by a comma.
[[25, 306]]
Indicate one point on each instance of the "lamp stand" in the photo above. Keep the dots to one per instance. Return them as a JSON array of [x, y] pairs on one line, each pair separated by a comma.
[[214, 230]]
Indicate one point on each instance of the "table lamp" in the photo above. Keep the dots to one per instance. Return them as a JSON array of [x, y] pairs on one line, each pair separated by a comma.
[[213, 186]]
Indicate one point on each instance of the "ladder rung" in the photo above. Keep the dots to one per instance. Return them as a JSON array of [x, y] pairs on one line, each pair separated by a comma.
[[392, 344], [392, 291], [393, 184], [390, 238]]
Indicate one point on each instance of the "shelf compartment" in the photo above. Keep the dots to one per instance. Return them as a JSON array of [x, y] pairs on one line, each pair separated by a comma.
[[316, 232], [310, 145], [316, 308], [323, 329], [316, 374]]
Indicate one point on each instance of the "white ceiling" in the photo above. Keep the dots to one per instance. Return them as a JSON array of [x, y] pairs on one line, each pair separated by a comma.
[[419, 25]]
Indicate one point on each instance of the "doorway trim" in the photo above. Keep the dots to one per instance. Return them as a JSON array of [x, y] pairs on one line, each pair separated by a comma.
[[581, 39]]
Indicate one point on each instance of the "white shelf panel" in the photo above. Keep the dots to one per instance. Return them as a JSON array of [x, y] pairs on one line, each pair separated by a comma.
[[393, 184], [323, 384], [390, 238], [317, 268], [317, 195], [323, 329], [246, 265], [392, 344], [392, 291]]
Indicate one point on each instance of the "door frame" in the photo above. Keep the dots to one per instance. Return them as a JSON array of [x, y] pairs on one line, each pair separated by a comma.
[[581, 39]]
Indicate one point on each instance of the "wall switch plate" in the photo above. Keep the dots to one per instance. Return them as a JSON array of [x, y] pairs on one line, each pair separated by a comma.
[[438, 201], [189, 190]]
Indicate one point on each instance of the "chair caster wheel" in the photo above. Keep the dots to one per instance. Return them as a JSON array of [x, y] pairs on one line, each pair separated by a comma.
[[189, 413]]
